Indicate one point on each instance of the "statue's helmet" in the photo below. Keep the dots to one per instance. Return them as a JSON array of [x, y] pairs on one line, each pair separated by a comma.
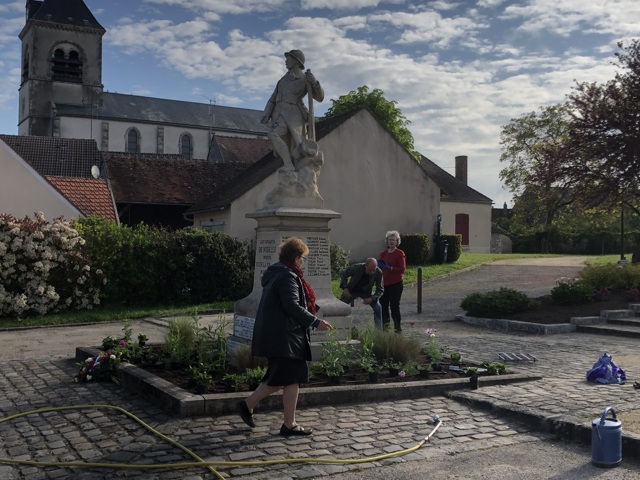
[[297, 54]]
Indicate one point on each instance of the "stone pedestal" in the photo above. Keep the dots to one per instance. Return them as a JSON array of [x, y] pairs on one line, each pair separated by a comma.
[[312, 227]]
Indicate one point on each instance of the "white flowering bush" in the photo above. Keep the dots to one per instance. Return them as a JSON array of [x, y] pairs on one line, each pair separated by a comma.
[[42, 268]]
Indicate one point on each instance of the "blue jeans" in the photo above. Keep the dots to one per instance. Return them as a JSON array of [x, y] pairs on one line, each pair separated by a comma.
[[375, 306]]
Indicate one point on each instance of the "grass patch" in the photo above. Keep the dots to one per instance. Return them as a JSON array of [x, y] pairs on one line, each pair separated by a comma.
[[607, 259], [112, 313], [466, 260]]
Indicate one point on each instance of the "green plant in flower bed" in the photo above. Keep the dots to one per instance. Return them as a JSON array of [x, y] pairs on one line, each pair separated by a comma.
[[456, 358], [571, 292], [335, 355], [497, 303], [253, 376], [494, 368], [388, 346], [186, 342], [199, 374], [432, 347]]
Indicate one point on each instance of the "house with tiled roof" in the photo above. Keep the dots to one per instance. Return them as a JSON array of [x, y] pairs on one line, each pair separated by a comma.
[[463, 210], [159, 189], [131, 188], [360, 155], [54, 176]]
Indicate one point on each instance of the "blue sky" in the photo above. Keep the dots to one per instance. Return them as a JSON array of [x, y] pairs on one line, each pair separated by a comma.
[[458, 70]]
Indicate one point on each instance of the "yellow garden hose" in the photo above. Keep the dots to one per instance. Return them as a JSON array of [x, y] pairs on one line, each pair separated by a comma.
[[199, 462]]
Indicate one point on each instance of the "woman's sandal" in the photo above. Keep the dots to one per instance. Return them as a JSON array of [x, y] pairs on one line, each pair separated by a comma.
[[636, 385], [296, 430]]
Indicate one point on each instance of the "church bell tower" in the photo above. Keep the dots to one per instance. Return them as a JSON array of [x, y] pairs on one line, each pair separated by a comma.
[[61, 62]]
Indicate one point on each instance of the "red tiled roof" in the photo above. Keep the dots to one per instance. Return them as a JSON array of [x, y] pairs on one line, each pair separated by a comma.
[[237, 149], [89, 195], [160, 180]]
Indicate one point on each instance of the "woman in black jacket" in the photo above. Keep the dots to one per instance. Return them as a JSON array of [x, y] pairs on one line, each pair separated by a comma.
[[282, 334]]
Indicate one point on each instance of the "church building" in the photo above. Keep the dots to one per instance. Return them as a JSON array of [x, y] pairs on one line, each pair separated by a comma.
[[62, 95]]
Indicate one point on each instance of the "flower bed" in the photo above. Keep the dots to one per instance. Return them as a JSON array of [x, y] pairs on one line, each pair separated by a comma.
[[354, 375]]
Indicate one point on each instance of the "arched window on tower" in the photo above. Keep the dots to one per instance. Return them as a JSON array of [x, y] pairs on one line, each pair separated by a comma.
[[133, 141], [67, 68], [186, 149], [25, 68]]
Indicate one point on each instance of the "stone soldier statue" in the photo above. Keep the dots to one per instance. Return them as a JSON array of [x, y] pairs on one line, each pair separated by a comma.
[[288, 113]]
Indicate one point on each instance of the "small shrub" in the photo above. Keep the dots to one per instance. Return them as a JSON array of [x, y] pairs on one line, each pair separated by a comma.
[[454, 247], [568, 292], [497, 303], [611, 276], [339, 260], [416, 247]]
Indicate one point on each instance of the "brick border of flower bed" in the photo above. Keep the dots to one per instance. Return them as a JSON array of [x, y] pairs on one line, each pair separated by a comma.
[[180, 402]]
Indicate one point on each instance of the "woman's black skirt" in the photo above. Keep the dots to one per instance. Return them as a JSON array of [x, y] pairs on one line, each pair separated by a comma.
[[286, 371]]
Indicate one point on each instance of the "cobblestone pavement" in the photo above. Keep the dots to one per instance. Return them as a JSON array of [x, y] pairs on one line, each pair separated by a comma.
[[346, 432]]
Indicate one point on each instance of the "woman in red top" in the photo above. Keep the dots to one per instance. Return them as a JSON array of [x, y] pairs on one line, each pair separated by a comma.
[[393, 263]]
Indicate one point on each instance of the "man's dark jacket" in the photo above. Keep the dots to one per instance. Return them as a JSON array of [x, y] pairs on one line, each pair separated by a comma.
[[355, 272]]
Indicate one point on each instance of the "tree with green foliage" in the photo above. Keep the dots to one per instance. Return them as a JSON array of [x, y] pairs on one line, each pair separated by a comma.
[[605, 136], [386, 111], [534, 145]]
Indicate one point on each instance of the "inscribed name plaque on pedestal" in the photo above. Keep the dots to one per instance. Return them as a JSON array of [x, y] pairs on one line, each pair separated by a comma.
[[243, 327]]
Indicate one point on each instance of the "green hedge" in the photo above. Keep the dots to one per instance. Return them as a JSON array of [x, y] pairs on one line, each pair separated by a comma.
[[146, 265], [454, 247], [416, 247], [497, 303]]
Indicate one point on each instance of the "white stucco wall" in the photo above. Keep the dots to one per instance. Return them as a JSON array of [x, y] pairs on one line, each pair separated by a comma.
[[479, 223], [23, 192], [73, 127], [368, 178], [236, 222]]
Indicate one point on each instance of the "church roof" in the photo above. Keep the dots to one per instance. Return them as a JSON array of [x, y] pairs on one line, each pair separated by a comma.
[[61, 157], [451, 189], [65, 12], [135, 108], [89, 195]]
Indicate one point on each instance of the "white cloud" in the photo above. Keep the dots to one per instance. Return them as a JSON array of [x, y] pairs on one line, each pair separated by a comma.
[[221, 7], [342, 4], [564, 17]]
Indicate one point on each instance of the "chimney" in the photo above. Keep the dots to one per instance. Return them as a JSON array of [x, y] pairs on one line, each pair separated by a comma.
[[461, 168]]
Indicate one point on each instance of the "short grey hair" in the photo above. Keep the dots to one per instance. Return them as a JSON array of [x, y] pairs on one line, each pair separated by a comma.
[[392, 233]]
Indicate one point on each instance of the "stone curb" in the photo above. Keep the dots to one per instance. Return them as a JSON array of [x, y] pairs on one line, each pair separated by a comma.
[[179, 402], [568, 428], [516, 326]]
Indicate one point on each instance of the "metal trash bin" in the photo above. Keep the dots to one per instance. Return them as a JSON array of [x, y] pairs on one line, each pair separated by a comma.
[[606, 440], [442, 247]]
